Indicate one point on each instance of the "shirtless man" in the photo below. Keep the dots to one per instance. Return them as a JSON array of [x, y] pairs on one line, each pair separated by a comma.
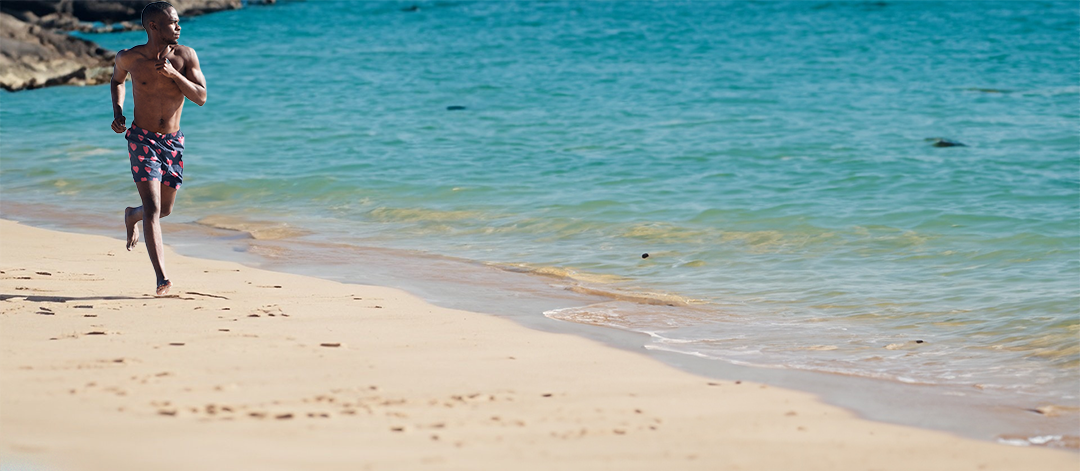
[[162, 74]]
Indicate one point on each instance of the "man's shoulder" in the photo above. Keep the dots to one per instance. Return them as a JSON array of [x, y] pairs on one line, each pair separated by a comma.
[[184, 51], [130, 53], [134, 49]]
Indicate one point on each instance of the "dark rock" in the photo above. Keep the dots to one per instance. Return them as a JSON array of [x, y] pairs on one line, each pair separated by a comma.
[[942, 142], [109, 12], [37, 7], [202, 7], [455, 108], [60, 22], [116, 27]]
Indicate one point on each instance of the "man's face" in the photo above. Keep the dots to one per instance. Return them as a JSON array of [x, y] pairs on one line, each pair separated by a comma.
[[167, 26]]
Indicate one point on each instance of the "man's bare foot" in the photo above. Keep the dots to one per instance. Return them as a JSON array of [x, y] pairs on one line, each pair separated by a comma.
[[163, 288], [130, 221]]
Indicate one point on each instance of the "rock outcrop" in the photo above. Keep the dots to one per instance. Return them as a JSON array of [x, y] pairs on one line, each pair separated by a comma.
[[116, 15], [33, 57], [33, 54]]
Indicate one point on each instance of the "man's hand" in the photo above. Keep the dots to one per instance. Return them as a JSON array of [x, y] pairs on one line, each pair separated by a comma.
[[118, 124], [164, 67]]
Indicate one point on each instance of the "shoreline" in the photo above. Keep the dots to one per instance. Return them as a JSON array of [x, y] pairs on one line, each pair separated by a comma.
[[921, 406], [325, 375]]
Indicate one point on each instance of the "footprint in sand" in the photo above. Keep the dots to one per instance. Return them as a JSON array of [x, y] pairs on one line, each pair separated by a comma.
[[270, 310]]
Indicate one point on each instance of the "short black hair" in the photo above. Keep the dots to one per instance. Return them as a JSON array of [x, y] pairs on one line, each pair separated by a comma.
[[154, 10]]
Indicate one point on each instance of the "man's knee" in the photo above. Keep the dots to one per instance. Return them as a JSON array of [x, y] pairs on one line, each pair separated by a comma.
[[151, 210]]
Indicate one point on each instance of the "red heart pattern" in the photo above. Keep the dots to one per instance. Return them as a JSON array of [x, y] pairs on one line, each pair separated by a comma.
[[147, 166]]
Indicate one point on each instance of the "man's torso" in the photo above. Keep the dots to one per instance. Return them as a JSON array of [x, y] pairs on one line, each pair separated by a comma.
[[158, 100]]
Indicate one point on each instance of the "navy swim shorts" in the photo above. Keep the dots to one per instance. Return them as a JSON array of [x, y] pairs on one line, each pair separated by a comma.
[[156, 157]]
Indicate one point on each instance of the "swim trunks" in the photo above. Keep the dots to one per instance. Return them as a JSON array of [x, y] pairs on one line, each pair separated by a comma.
[[156, 157]]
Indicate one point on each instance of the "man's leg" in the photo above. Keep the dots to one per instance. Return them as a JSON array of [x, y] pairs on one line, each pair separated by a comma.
[[132, 215], [168, 197], [157, 203]]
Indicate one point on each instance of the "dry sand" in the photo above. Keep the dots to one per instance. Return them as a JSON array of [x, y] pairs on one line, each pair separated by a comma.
[[244, 369]]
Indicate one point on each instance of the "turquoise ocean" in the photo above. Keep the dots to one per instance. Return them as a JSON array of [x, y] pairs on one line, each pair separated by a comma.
[[771, 158]]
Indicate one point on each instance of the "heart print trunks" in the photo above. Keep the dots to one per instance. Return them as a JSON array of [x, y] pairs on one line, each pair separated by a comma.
[[156, 157]]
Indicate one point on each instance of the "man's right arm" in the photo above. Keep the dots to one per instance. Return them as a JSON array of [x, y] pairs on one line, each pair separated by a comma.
[[119, 75]]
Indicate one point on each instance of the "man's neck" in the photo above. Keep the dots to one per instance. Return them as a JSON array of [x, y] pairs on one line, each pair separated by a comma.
[[158, 48]]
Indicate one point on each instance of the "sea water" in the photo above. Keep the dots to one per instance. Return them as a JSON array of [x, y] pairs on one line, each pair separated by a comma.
[[770, 158]]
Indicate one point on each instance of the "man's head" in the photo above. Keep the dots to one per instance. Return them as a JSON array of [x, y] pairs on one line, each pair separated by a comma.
[[160, 18]]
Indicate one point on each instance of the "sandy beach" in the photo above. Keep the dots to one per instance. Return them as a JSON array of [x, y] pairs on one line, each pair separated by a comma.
[[242, 368]]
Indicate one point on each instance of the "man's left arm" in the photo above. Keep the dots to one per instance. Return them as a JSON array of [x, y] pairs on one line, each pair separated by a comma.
[[192, 83]]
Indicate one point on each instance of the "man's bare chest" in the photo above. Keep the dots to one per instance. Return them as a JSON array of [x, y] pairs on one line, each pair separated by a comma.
[[145, 76]]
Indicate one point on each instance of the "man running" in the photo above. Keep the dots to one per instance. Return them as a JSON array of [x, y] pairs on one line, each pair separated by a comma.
[[162, 74]]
